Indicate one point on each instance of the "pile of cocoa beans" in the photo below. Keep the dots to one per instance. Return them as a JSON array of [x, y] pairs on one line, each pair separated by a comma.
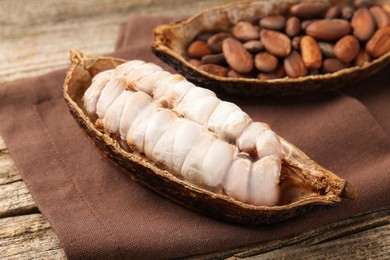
[[313, 38]]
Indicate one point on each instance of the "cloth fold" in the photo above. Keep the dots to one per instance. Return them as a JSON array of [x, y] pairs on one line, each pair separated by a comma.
[[99, 213]]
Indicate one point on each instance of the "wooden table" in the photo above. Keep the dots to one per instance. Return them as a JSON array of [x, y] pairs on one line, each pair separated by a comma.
[[35, 38]]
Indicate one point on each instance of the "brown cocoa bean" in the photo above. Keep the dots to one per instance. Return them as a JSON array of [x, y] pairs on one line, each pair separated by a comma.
[[363, 24], [294, 66], [333, 12], [311, 53], [265, 62], [213, 59], [237, 56], [215, 41], [362, 58], [381, 17], [347, 48], [198, 49], [328, 29], [276, 43], [332, 65], [347, 12], [379, 44], [274, 22], [278, 73], [327, 49], [254, 46], [307, 10], [245, 31], [214, 69], [293, 26]]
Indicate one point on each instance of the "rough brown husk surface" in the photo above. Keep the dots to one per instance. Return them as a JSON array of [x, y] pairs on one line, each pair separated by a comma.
[[171, 40], [319, 186]]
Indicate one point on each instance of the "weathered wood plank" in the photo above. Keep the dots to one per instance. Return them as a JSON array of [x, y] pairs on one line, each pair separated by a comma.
[[8, 171], [369, 244], [15, 199], [338, 232], [39, 40], [28, 237]]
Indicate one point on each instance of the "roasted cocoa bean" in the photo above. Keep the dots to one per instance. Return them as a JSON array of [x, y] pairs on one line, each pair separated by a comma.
[[237, 56], [294, 66], [332, 65], [274, 22], [245, 31], [307, 10], [311, 53], [381, 17], [198, 49], [276, 43], [293, 26], [333, 12], [347, 12], [214, 69], [278, 73], [328, 29], [363, 24], [362, 58], [347, 48], [213, 59], [265, 62], [379, 44], [215, 41], [253, 46]]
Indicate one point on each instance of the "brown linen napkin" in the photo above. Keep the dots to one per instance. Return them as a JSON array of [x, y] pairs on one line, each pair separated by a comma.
[[99, 213]]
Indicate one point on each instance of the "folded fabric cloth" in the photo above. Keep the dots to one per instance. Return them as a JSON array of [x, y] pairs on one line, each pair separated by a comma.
[[99, 213]]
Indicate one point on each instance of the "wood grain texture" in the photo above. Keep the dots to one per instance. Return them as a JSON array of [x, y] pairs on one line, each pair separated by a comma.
[[39, 40], [35, 38], [28, 237]]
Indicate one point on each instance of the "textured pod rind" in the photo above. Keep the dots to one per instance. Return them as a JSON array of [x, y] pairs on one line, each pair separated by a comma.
[[329, 187], [170, 41]]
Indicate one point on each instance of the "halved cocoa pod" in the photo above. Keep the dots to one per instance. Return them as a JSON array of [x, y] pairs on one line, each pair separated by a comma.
[[303, 183], [171, 41]]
